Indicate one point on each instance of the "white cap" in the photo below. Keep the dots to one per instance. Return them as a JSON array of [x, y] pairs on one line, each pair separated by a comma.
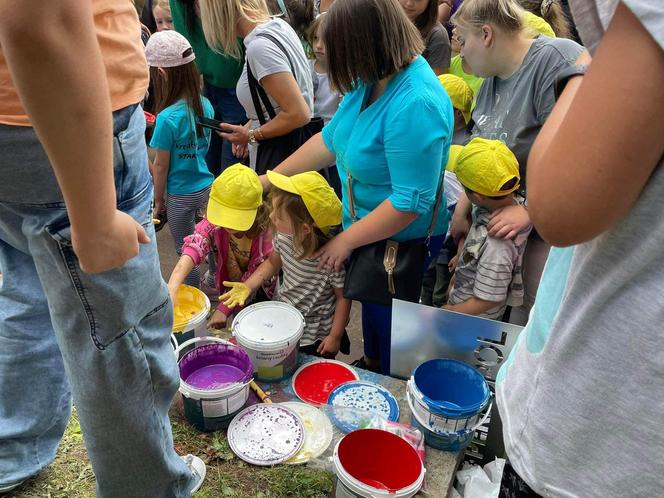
[[168, 49]]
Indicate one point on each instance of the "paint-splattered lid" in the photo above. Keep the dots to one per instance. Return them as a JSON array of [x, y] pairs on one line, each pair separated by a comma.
[[266, 434], [317, 428], [366, 397]]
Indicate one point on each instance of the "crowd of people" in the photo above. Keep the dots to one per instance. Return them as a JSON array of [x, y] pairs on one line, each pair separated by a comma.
[[498, 158]]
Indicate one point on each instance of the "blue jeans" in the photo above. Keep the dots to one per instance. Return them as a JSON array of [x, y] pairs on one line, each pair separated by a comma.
[[102, 338], [377, 320], [227, 108]]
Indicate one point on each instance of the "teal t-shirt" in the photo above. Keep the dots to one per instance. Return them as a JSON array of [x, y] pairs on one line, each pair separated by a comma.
[[175, 132], [396, 148]]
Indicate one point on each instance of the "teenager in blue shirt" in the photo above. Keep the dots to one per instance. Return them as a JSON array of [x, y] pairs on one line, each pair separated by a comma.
[[390, 139]]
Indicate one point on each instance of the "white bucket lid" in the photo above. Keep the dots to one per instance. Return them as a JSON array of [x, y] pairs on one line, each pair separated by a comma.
[[268, 326]]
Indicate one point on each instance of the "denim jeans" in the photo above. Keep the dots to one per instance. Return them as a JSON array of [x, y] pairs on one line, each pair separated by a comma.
[[101, 338], [228, 109]]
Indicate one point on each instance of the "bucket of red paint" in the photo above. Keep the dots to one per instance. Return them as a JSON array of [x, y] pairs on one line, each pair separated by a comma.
[[214, 382], [376, 463]]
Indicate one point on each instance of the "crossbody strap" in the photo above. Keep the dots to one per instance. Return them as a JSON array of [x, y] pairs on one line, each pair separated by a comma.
[[258, 94]]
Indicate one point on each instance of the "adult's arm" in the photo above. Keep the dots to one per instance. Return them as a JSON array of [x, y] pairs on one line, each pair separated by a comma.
[[598, 148], [56, 64]]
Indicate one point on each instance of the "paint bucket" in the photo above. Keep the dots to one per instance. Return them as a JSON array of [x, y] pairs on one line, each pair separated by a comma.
[[270, 333], [214, 382], [190, 315], [447, 398], [376, 463]]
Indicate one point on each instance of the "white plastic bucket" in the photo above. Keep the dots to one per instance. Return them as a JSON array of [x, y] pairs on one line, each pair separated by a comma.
[[270, 333], [212, 409], [348, 486], [191, 314]]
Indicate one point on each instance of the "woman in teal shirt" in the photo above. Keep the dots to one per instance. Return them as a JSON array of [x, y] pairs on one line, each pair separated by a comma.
[[390, 139]]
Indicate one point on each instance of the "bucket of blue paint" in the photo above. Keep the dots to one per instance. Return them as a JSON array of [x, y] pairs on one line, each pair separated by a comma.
[[447, 399], [214, 382]]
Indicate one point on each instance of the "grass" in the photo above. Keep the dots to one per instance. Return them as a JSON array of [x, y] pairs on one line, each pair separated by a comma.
[[71, 476]]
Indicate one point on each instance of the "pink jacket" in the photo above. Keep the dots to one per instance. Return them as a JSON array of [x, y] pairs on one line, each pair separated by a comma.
[[198, 245]]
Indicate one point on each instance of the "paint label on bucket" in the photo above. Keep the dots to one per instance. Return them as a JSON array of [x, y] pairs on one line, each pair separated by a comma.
[[222, 407]]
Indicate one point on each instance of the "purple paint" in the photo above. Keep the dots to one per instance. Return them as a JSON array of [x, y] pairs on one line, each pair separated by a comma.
[[212, 365], [214, 376]]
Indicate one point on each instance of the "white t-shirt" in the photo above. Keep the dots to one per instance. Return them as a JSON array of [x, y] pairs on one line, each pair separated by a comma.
[[326, 101], [266, 58]]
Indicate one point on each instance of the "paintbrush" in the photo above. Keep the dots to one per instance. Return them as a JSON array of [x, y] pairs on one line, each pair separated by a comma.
[[259, 392]]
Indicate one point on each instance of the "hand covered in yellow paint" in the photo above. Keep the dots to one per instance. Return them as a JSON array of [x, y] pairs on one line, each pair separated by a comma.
[[237, 294]]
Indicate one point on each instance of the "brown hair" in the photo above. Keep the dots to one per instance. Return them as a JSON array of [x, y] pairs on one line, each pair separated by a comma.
[[427, 19], [508, 185], [552, 12], [294, 208], [261, 222], [368, 40], [504, 14], [313, 30], [180, 82]]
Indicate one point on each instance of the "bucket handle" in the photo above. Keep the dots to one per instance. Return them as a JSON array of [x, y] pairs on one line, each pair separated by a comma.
[[174, 342], [425, 400], [207, 339], [464, 431]]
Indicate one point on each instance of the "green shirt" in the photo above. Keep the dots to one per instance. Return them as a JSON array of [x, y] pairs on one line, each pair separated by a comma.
[[217, 69], [456, 68]]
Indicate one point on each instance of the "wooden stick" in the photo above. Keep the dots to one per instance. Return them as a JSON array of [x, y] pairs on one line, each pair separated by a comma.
[[259, 392]]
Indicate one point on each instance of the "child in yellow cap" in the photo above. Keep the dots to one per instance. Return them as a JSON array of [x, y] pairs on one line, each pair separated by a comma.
[[237, 226], [487, 277], [304, 210], [462, 101]]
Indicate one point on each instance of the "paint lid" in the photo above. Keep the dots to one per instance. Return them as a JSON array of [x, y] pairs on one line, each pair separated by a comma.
[[266, 434], [268, 326], [318, 431], [193, 306], [366, 397], [314, 382]]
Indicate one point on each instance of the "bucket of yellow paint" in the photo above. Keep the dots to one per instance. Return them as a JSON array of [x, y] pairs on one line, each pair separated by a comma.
[[190, 314]]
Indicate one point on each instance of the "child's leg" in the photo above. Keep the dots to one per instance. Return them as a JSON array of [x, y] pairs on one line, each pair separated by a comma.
[[181, 212], [377, 335]]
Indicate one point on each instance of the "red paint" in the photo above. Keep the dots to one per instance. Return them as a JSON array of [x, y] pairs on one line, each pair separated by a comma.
[[379, 459], [316, 381]]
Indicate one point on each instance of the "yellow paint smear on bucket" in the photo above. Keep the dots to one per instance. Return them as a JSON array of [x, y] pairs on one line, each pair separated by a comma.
[[191, 302]]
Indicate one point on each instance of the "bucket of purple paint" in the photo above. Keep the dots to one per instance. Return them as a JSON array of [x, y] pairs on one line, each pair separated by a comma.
[[214, 382]]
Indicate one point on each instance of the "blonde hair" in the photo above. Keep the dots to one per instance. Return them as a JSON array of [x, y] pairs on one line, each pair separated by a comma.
[[293, 207], [552, 12], [220, 17], [506, 15], [163, 5]]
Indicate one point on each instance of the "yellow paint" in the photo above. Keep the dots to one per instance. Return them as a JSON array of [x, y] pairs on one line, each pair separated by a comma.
[[191, 302]]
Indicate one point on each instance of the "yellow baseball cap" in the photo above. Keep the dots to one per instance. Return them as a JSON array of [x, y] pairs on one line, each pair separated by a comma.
[[536, 26], [484, 166], [319, 198], [460, 93], [453, 157], [235, 197]]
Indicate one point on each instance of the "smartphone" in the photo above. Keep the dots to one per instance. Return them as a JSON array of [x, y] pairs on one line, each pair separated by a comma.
[[213, 124]]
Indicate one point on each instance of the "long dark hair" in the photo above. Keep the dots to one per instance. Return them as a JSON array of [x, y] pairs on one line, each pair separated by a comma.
[[427, 19], [180, 82]]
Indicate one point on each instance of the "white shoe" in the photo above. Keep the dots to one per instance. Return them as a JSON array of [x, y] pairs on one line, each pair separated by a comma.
[[198, 470]]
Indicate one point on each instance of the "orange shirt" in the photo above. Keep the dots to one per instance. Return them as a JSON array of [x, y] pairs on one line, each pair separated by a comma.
[[119, 37]]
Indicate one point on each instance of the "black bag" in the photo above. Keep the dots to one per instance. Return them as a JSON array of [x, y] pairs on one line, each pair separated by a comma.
[[387, 269], [273, 151]]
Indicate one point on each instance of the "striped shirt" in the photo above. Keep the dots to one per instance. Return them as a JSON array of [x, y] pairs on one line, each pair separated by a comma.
[[310, 290], [489, 268]]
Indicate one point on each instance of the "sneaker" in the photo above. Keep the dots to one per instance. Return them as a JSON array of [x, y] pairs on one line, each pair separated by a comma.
[[198, 470], [6, 488], [362, 363]]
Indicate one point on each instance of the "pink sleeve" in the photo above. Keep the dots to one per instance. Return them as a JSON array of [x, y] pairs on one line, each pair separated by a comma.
[[197, 245]]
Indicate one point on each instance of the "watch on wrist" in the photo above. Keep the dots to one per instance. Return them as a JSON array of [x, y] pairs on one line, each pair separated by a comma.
[[252, 137], [565, 75]]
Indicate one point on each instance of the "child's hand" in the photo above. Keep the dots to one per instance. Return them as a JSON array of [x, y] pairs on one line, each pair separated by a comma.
[[217, 320], [236, 296], [173, 291], [453, 263], [330, 346], [507, 222]]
